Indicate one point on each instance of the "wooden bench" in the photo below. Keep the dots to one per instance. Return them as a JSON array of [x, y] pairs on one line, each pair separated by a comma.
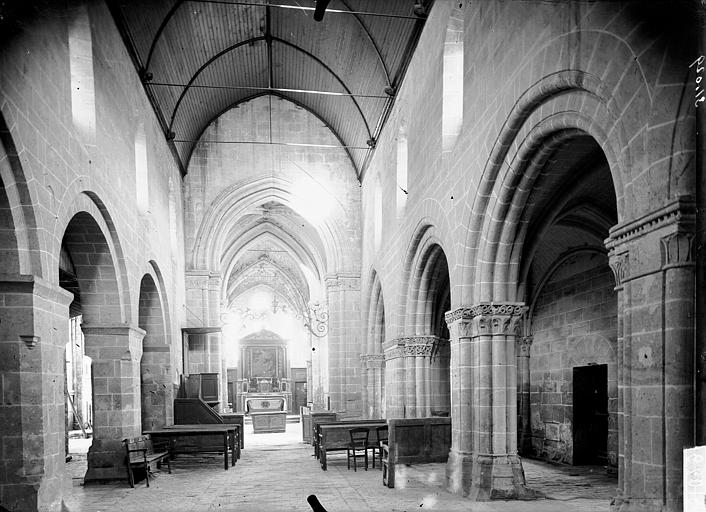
[[141, 454], [352, 423], [334, 436], [414, 441]]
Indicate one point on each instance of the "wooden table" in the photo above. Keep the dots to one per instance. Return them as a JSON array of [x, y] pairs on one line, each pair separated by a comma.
[[228, 431]]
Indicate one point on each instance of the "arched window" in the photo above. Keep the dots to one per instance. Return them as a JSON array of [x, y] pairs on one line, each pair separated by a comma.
[[83, 101], [452, 107], [141, 170]]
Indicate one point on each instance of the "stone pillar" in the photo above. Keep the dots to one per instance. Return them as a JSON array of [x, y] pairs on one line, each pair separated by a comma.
[[372, 366], [34, 329], [344, 343], [418, 352], [524, 434], [439, 398], [394, 378], [410, 380], [365, 390], [652, 259], [483, 462], [116, 351]]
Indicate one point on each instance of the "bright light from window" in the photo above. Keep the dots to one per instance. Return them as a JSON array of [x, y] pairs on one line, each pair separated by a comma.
[[311, 201], [260, 301]]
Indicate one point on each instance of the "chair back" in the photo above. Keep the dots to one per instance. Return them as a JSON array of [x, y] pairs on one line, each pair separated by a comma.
[[359, 437], [382, 434]]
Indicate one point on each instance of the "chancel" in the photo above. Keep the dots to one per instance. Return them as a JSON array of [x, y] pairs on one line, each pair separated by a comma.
[[460, 240]]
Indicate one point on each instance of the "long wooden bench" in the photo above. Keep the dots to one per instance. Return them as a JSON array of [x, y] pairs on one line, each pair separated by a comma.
[[333, 436], [140, 454], [316, 436], [415, 441]]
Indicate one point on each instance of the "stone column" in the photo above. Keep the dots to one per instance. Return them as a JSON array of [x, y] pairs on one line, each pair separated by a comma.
[[418, 352], [439, 397], [365, 388], [394, 378], [486, 466], [343, 293], [116, 351], [372, 366], [410, 380], [652, 259], [524, 427], [34, 329]]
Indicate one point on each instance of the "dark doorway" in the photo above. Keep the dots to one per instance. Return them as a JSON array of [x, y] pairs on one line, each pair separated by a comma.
[[591, 414], [299, 396]]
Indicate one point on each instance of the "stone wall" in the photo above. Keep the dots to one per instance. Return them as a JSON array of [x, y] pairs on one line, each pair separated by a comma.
[[574, 324], [54, 164]]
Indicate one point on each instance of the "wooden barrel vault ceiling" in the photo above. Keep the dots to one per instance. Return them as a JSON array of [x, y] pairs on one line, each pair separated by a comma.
[[199, 58]]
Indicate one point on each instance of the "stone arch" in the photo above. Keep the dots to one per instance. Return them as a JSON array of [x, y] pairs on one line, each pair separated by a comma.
[[563, 100], [432, 228], [305, 253], [498, 254], [89, 202], [235, 201], [427, 299], [534, 196], [93, 258], [155, 365], [21, 252], [113, 345]]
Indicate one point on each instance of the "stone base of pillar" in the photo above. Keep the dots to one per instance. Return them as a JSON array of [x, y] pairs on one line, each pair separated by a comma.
[[459, 468], [106, 461], [621, 504], [487, 477]]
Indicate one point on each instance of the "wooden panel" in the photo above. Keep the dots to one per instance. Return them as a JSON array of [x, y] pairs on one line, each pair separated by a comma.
[[268, 422]]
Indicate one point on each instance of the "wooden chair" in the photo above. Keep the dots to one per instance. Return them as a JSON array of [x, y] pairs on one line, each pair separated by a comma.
[[376, 446], [359, 443]]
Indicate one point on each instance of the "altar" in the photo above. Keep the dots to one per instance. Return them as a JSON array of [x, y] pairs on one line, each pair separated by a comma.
[[264, 392]]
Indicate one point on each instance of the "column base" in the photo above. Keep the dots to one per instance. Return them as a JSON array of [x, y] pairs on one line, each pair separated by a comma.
[[488, 477], [459, 468], [106, 461], [626, 504]]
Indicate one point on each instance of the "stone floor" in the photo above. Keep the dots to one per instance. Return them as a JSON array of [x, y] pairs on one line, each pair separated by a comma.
[[277, 472]]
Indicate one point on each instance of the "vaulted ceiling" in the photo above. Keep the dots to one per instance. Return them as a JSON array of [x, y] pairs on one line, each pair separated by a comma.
[[199, 58]]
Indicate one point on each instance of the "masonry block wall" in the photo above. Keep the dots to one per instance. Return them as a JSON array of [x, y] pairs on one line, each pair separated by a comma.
[[612, 70], [574, 325], [61, 156]]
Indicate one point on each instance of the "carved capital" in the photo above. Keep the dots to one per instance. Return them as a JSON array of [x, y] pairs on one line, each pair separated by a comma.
[[342, 282], [422, 346], [372, 360], [619, 264], [524, 343], [677, 249], [486, 319], [393, 349]]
